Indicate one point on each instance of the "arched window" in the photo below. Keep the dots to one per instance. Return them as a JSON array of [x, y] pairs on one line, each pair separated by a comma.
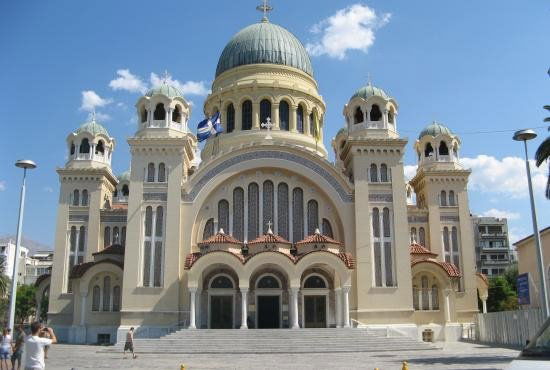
[[116, 298], [312, 216], [247, 115], [446, 246], [297, 214], [454, 238], [147, 246], [452, 198], [176, 114], [391, 115], [123, 236], [422, 236], [81, 243], [373, 173], [159, 113], [253, 211], [265, 111], [208, 229], [151, 172], [282, 210], [76, 197], [327, 228], [100, 148], [230, 113], [425, 293], [106, 237], [116, 235], [238, 213], [358, 116], [72, 148], [268, 204], [376, 222], [435, 298], [107, 293], [96, 297], [284, 115], [85, 146], [383, 172], [415, 298], [386, 222], [443, 198], [162, 172], [315, 282], [300, 119], [443, 149], [125, 190], [375, 114], [413, 235], [159, 221], [429, 150], [311, 124], [268, 282], [143, 114], [159, 232], [84, 197], [221, 282], [223, 215]]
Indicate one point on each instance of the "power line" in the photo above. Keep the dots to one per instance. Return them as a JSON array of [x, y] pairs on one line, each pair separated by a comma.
[[484, 131]]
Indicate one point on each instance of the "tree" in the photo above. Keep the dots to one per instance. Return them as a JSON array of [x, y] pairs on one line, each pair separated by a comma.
[[502, 296], [25, 303], [4, 280]]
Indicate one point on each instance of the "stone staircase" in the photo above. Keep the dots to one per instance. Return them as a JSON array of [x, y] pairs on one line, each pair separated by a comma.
[[236, 341]]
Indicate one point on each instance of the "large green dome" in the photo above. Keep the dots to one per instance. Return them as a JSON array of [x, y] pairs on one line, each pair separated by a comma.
[[434, 129], [166, 90], [264, 43], [366, 92], [93, 128]]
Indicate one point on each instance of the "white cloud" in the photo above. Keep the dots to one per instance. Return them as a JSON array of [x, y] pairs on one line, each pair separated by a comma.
[[351, 28], [48, 189], [503, 177], [493, 212], [99, 116], [3, 185], [187, 88], [90, 101], [410, 171], [128, 81]]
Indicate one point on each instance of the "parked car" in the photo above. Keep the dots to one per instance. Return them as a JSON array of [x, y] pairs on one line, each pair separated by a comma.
[[536, 354]]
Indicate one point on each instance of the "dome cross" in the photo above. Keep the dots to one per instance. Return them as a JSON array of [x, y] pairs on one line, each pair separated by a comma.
[[267, 125], [264, 8]]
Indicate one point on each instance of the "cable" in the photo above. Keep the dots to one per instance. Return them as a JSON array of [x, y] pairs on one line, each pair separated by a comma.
[[484, 132]]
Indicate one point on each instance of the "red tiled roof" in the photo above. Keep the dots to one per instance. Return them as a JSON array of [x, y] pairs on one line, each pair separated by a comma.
[[221, 238], [79, 270], [449, 268], [318, 238], [112, 249], [416, 248], [269, 238], [41, 278], [348, 260], [191, 258]]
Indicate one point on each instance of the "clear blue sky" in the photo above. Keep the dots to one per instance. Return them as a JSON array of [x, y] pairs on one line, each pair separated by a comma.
[[473, 65]]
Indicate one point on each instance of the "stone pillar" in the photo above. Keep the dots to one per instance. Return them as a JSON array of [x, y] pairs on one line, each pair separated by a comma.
[[292, 118], [244, 308], [385, 118], [307, 123], [345, 291], [484, 302], [275, 117], [238, 117], [168, 118], [338, 299], [255, 116], [193, 292], [294, 305], [447, 305], [83, 306]]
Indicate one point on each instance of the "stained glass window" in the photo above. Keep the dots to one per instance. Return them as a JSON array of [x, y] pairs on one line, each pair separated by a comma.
[[327, 228], [123, 236], [425, 293], [446, 244], [315, 282], [107, 293], [443, 198], [311, 124], [268, 207], [84, 197], [253, 211], [76, 198], [297, 215], [435, 298], [73, 238], [268, 282], [454, 238], [223, 215], [221, 282], [107, 237], [247, 115], [300, 119], [282, 210], [147, 263], [238, 213], [452, 198], [312, 216], [159, 221], [283, 115], [230, 118], [208, 229]]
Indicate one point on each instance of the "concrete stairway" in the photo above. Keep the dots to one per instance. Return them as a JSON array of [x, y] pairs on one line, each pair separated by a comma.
[[210, 341]]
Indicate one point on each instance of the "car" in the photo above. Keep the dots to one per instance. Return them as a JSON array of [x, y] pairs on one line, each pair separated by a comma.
[[536, 354]]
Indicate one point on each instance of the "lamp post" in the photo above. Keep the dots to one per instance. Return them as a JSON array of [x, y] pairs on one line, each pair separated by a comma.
[[25, 164], [524, 135]]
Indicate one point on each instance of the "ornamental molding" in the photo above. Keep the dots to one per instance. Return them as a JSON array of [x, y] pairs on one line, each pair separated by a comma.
[[449, 218], [113, 218], [268, 154], [155, 196], [418, 219], [381, 198], [82, 218]]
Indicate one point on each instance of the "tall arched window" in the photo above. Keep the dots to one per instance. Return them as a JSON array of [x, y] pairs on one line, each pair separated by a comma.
[[297, 214], [100, 148], [147, 246], [84, 197], [208, 229], [413, 235], [327, 228], [116, 298], [253, 211], [116, 235], [247, 115], [358, 115], [85, 146], [443, 198], [81, 242], [422, 236], [428, 151], [265, 111], [425, 293], [230, 118], [300, 119], [76, 197], [96, 297], [282, 210], [446, 245], [268, 204], [160, 113], [375, 114], [125, 190], [454, 238], [151, 172], [373, 173], [107, 293], [383, 172], [376, 222], [162, 172], [435, 298], [312, 216], [284, 115], [159, 232], [388, 255], [377, 247], [238, 213], [223, 215], [106, 237], [416, 298], [311, 124], [176, 114], [452, 198], [443, 149]]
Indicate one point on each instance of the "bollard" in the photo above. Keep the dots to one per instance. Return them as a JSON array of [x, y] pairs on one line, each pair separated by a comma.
[[182, 367], [405, 366]]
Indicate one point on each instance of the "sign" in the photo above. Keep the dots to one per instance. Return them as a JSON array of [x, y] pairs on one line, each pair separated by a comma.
[[523, 289]]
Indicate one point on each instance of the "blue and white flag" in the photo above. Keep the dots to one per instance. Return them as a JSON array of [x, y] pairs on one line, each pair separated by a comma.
[[208, 127]]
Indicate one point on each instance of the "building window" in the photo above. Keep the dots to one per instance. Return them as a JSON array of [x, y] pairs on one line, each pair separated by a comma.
[[116, 298], [268, 282], [143, 114], [413, 235], [85, 146], [422, 236], [265, 111], [300, 119], [107, 293], [383, 173], [76, 197], [100, 148], [312, 216], [455, 250], [116, 235], [221, 282], [238, 213], [123, 236], [153, 238], [443, 149], [284, 116], [223, 215], [358, 115], [383, 248], [297, 214], [373, 173], [106, 237], [282, 210], [159, 113], [375, 114], [327, 228], [429, 150], [416, 298], [162, 173], [443, 198], [230, 118], [151, 172], [267, 205], [247, 115], [84, 197], [253, 211], [452, 198], [208, 229], [96, 297], [176, 114], [446, 245], [147, 246], [315, 282]]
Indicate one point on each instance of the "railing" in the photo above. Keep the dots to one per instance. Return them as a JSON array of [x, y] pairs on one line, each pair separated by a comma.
[[511, 328]]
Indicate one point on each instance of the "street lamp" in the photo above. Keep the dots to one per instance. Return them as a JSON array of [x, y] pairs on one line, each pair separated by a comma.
[[25, 164], [524, 135]]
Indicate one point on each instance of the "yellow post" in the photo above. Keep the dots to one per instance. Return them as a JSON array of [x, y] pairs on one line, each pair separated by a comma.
[[182, 367], [405, 366]]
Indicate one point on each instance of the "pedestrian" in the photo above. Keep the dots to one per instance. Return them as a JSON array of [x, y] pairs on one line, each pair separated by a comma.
[[17, 347], [129, 345], [5, 347], [34, 346], [45, 334]]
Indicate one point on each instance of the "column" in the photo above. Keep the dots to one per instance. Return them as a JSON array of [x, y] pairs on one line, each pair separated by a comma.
[[193, 292], [83, 307], [365, 116], [149, 116], [244, 308], [168, 118], [307, 123], [338, 299], [255, 116], [447, 305], [292, 118], [294, 305], [198, 321], [484, 302], [385, 118], [238, 117], [275, 116], [345, 291]]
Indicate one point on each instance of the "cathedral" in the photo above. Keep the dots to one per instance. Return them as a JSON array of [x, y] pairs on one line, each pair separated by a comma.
[[263, 231]]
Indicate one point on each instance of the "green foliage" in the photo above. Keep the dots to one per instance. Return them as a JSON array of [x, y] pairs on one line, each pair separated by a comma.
[[543, 154], [4, 280], [502, 295], [43, 314], [511, 276], [25, 304]]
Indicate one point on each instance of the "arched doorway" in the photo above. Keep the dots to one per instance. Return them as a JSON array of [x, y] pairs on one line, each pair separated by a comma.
[[221, 302], [315, 301], [269, 296]]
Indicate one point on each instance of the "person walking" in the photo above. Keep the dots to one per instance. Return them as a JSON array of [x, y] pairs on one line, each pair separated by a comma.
[[129, 345], [17, 347], [5, 348], [34, 346]]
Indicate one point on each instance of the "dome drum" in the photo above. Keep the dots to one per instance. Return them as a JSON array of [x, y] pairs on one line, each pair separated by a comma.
[[437, 145], [90, 144], [372, 115]]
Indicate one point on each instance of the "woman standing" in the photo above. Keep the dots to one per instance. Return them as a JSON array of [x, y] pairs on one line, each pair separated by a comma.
[[5, 347]]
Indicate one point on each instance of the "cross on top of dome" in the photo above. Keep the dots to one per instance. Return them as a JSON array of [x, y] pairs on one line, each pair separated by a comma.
[[264, 8]]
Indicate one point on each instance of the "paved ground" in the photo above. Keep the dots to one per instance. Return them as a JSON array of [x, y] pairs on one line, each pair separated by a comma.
[[451, 356]]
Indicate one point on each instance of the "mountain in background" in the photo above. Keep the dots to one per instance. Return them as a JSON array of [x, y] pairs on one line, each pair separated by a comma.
[[31, 245]]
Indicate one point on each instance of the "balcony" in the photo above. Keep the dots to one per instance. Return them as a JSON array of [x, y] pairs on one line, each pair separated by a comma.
[[494, 249], [495, 262]]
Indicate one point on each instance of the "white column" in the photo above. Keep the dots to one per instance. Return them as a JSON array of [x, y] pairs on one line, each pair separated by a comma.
[[484, 302], [83, 308], [294, 305], [168, 118], [193, 292], [338, 299], [447, 305], [244, 308], [198, 321], [346, 290]]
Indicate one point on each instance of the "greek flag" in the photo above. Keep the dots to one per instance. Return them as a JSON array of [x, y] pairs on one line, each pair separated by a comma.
[[208, 127]]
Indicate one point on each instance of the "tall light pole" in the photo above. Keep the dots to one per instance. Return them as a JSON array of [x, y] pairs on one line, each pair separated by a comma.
[[25, 164], [524, 135]]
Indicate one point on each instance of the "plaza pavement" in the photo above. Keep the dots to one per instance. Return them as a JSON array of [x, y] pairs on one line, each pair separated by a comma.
[[450, 356]]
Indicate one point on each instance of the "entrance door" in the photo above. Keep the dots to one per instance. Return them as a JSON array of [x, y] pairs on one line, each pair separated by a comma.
[[221, 312], [268, 312], [315, 311]]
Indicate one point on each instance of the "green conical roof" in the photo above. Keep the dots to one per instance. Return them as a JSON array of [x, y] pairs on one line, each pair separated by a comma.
[[435, 129], [166, 90], [264, 42], [93, 128], [366, 92]]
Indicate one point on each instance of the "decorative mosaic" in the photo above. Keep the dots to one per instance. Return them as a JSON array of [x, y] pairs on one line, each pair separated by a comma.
[[155, 196], [78, 218], [418, 219], [113, 218], [380, 198], [449, 218]]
